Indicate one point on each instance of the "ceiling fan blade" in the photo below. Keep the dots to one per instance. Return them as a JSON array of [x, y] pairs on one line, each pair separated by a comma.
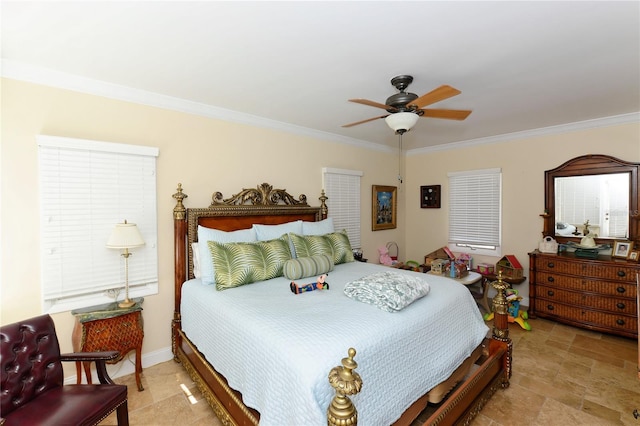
[[436, 95], [449, 114], [364, 121], [372, 103]]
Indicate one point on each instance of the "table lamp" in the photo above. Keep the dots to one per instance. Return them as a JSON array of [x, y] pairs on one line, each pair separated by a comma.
[[123, 237]]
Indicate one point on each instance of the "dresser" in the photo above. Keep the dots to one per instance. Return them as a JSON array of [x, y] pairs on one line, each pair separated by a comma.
[[597, 294], [109, 328]]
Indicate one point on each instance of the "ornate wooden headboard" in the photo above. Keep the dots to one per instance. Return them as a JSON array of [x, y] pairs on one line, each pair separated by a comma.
[[260, 205]]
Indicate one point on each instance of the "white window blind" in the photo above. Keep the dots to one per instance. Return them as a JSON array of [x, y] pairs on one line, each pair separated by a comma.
[[475, 209], [86, 187], [342, 187]]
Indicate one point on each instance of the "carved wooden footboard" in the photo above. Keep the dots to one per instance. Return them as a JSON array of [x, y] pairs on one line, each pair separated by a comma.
[[471, 387]]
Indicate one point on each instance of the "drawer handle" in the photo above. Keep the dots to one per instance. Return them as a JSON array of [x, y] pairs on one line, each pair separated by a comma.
[[550, 293], [551, 279], [620, 322], [621, 289], [621, 305], [621, 274], [550, 265], [550, 307]]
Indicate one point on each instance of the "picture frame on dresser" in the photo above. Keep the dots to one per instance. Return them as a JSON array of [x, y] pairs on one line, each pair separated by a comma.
[[622, 249], [634, 255]]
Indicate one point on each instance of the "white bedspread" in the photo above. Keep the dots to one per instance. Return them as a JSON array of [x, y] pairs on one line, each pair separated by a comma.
[[277, 348]]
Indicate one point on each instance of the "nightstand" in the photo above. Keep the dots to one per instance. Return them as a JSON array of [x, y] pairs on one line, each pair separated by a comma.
[[109, 328]]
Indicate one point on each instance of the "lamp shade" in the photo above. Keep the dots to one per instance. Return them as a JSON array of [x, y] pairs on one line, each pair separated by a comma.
[[125, 235], [401, 121]]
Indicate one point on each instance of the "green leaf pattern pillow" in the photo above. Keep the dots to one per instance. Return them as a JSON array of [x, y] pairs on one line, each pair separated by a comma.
[[237, 264], [335, 245]]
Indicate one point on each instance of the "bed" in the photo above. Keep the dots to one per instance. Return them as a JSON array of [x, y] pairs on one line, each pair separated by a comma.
[[262, 354]]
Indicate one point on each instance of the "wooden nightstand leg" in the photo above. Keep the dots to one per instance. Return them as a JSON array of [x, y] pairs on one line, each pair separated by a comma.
[[139, 368]]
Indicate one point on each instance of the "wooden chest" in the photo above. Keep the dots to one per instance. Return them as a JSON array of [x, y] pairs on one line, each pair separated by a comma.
[[597, 294]]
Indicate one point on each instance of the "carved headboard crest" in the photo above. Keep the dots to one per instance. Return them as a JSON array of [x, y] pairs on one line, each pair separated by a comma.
[[264, 194]]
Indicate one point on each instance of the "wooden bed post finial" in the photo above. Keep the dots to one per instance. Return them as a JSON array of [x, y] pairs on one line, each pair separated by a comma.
[[345, 381], [179, 212], [501, 309], [501, 324], [324, 211]]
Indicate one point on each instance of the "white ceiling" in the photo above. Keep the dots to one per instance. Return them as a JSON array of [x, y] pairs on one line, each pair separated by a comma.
[[521, 66]]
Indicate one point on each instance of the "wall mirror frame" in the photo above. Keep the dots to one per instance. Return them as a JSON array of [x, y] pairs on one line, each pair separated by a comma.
[[593, 164]]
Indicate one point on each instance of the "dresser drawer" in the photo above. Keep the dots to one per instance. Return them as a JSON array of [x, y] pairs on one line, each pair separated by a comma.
[[587, 269], [618, 289], [579, 299], [599, 320]]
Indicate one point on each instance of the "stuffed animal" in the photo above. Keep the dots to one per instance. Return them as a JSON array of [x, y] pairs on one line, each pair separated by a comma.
[[320, 284], [385, 259]]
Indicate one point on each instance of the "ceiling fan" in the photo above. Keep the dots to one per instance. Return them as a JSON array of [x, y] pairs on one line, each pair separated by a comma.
[[405, 108]]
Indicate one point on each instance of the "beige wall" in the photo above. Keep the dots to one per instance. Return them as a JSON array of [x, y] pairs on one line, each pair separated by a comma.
[[208, 155], [523, 163], [203, 154]]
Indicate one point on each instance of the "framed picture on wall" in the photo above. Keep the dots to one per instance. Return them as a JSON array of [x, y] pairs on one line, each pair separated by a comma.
[[430, 197], [384, 207], [622, 249]]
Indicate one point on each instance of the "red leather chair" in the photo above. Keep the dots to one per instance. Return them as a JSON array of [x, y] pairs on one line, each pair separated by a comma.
[[32, 391]]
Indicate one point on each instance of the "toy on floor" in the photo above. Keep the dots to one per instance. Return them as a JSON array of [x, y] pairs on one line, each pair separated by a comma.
[[320, 284], [513, 311]]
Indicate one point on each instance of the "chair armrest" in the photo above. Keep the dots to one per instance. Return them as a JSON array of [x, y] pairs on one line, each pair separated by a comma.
[[90, 356], [100, 358]]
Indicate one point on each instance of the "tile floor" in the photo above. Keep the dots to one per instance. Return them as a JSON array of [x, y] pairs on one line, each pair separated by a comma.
[[562, 376]]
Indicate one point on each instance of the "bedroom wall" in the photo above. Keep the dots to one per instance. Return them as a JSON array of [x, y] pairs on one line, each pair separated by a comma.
[[523, 163], [203, 154], [208, 155]]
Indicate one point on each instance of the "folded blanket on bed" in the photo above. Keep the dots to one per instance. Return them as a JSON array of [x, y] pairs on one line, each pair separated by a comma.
[[390, 291]]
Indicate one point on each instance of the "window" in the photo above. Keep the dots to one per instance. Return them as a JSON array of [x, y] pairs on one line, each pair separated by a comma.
[[475, 211], [342, 187], [86, 187]]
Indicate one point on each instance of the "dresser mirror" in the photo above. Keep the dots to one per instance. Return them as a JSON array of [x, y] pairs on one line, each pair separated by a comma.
[[596, 192]]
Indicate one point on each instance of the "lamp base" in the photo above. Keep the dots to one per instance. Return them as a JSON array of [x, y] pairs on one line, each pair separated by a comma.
[[126, 303]]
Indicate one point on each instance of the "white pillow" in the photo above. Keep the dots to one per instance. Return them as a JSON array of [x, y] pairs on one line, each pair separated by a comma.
[[207, 274], [195, 259], [318, 228], [273, 232]]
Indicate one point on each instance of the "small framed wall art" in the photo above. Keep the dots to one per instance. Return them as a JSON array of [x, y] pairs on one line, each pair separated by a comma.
[[384, 207], [430, 197]]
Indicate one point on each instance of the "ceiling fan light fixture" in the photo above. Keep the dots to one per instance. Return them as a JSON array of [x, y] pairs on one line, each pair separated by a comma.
[[401, 122]]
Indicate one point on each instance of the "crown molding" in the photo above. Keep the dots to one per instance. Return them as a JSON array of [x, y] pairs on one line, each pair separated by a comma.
[[633, 117], [47, 77]]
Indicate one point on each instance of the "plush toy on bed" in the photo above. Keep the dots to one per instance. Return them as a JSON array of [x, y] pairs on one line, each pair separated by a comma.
[[320, 284]]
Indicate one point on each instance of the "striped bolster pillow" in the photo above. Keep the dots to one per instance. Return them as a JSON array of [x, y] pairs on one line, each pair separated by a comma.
[[311, 266]]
